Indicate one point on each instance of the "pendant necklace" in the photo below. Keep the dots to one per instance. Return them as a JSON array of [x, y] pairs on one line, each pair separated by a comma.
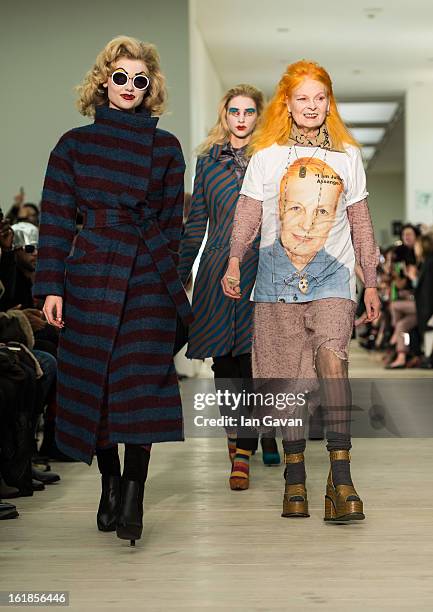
[[303, 169], [303, 284]]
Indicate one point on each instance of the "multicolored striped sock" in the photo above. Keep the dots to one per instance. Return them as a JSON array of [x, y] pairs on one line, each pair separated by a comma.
[[241, 464], [231, 445]]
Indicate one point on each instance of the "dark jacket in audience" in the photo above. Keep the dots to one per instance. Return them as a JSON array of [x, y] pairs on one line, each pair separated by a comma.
[[424, 294]]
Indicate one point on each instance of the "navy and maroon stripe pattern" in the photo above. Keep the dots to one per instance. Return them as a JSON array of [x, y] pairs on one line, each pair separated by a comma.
[[118, 277], [220, 324]]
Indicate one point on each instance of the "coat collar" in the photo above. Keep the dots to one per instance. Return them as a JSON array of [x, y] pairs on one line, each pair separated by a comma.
[[229, 164], [215, 151], [135, 122]]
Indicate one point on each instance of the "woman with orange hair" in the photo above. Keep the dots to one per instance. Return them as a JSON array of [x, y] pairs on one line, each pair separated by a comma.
[[305, 187]]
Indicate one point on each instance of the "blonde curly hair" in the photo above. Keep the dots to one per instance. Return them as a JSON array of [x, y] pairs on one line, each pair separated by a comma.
[[92, 93]]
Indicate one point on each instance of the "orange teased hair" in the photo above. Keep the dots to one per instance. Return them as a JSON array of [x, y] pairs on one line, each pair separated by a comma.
[[275, 123]]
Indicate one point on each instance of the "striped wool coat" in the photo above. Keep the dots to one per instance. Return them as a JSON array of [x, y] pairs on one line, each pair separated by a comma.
[[220, 324], [116, 378]]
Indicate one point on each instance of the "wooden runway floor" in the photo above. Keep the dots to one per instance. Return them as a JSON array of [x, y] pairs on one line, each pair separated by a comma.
[[205, 547]]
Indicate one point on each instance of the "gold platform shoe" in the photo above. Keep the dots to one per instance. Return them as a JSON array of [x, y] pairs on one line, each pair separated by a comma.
[[295, 503], [342, 502]]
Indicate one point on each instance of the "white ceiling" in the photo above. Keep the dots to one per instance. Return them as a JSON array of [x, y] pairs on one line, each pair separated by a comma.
[[373, 49], [366, 57]]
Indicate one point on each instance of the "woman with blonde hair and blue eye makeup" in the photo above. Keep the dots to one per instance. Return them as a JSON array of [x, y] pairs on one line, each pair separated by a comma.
[[305, 189], [222, 329]]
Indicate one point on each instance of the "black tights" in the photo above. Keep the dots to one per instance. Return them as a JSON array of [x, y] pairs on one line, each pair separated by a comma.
[[135, 466], [236, 373], [233, 366]]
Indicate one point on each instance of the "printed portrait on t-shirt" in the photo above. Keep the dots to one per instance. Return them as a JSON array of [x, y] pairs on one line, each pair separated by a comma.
[[310, 192]]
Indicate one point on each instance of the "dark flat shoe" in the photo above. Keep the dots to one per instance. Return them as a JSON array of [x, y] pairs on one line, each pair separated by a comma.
[[44, 477], [7, 511], [7, 492], [37, 485]]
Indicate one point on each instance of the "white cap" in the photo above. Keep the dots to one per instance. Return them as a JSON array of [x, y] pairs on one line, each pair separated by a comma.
[[25, 233]]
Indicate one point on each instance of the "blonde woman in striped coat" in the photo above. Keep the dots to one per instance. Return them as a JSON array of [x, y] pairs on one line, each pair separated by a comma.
[[222, 327]]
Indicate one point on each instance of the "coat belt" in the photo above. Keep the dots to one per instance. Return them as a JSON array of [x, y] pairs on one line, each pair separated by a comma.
[[146, 223]]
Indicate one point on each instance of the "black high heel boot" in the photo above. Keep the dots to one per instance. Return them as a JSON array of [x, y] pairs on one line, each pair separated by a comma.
[[130, 522], [109, 505]]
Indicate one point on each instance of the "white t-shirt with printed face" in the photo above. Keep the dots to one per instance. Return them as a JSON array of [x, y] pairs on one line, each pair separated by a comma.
[[305, 193]]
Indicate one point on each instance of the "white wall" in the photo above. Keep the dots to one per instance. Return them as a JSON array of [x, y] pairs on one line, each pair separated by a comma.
[[387, 203], [206, 86], [47, 48], [419, 154]]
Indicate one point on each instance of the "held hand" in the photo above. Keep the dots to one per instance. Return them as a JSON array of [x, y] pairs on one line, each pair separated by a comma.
[[372, 306], [53, 309], [20, 197], [232, 279]]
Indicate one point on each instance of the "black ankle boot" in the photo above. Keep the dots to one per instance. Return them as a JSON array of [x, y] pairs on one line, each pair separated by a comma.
[[109, 505], [130, 523]]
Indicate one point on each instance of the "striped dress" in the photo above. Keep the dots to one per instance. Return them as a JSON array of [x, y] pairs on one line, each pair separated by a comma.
[[221, 325], [118, 278]]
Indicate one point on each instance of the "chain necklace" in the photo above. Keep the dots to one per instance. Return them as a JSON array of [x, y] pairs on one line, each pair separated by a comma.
[[303, 284], [303, 169]]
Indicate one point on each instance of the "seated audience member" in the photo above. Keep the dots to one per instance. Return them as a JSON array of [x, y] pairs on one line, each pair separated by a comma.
[[405, 252], [18, 375], [30, 213], [19, 265], [403, 316], [376, 335], [7, 261], [424, 287], [25, 257], [22, 210], [8, 396], [26, 379], [405, 284], [413, 303], [25, 246]]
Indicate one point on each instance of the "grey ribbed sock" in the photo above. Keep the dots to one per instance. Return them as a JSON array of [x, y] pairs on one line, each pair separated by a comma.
[[340, 469], [294, 472]]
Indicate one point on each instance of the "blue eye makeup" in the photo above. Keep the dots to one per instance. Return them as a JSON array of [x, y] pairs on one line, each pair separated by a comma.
[[235, 111]]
